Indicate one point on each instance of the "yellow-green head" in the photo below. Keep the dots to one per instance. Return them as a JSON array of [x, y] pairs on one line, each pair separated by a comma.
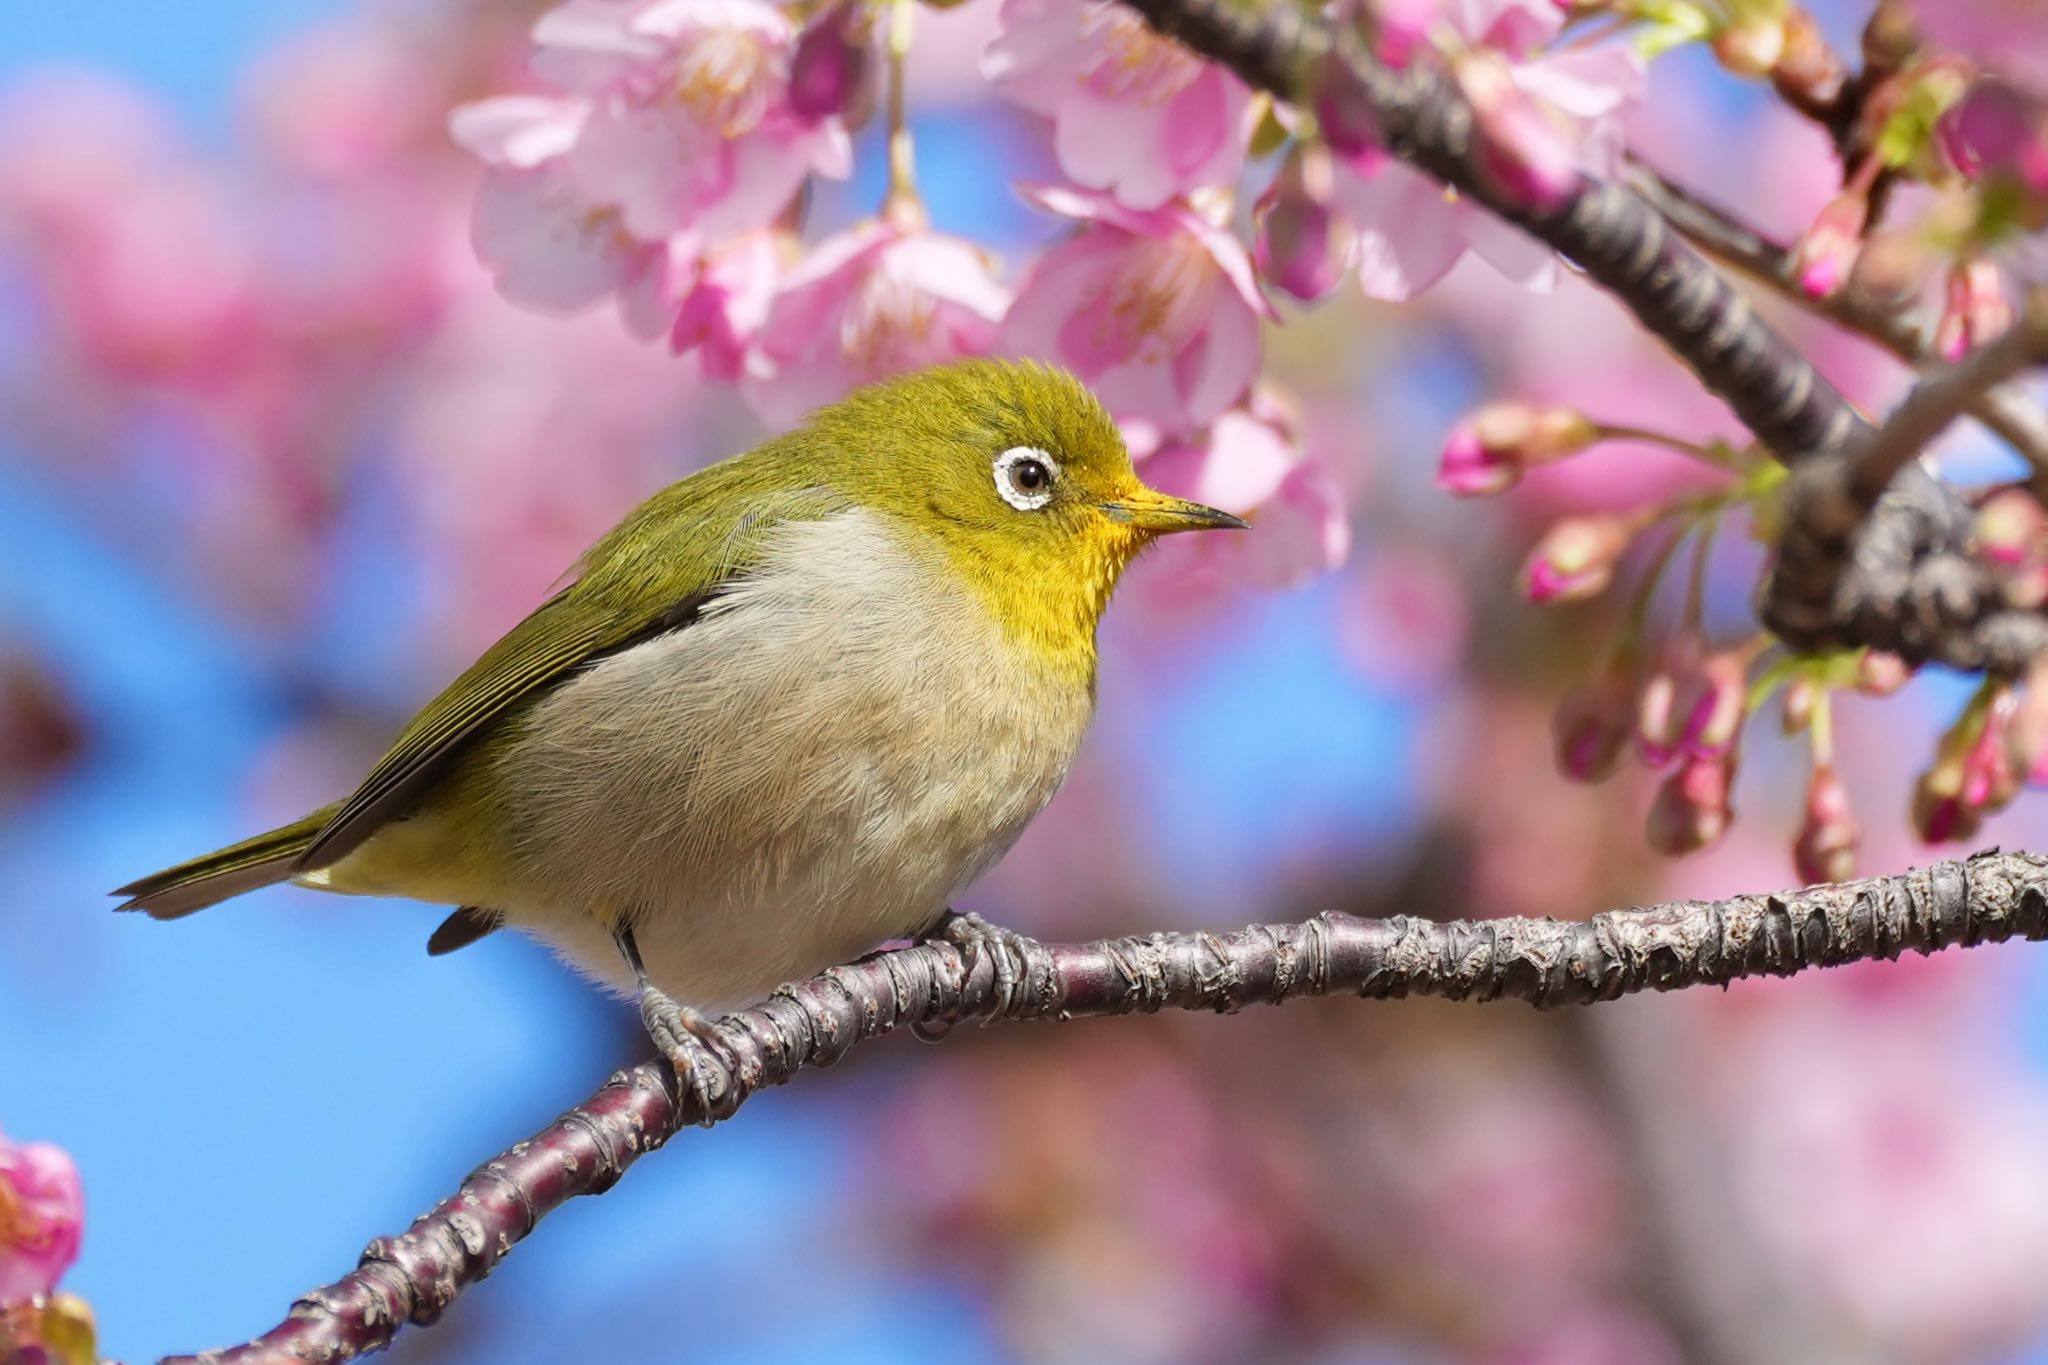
[[1016, 473]]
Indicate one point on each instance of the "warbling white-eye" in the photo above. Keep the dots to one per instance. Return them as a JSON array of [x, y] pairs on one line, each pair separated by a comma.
[[781, 713]]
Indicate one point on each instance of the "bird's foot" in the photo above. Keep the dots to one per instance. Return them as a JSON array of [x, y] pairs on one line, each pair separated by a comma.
[[973, 936], [704, 1066]]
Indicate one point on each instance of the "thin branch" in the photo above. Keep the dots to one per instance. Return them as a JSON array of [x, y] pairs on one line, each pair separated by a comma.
[[1940, 596], [1899, 584], [415, 1277], [2007, 411]]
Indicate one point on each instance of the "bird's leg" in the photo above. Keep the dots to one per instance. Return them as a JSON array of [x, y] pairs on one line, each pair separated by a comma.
[[683, 1035], [973, 936]]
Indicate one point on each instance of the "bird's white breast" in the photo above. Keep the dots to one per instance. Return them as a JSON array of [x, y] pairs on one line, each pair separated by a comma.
[[842, 741]]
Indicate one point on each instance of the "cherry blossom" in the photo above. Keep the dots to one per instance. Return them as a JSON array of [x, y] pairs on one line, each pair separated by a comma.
[[870, 302], [1547, 111], [1133, 113], [1157, 311], [42, 1213]]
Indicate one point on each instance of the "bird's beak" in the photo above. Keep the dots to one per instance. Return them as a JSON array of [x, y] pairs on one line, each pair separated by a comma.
[[1159, 514]]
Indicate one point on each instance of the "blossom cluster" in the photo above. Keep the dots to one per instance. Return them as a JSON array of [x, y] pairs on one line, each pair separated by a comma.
[[660, 160], [41, 1219]]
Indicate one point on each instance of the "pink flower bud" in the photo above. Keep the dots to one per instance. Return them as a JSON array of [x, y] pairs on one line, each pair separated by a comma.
[[1751, 47], [2027, 736], [1996, 128], [1891, 271], [2011, 528], [1522, 148], [1665, 703], [1975, 308], [42, 1212], [1591, 724], [829, 63], [1720, 697], [1825, 849], [1576, 558], [1691, 808], [1303, 245], [1939, 811], [1990, 778], [1488, 450], [1879, 674], [1828, 250]]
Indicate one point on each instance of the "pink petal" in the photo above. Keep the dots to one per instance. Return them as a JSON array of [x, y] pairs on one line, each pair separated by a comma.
[[1514, 253], [517, 130], [1408, 235], [544, 246]]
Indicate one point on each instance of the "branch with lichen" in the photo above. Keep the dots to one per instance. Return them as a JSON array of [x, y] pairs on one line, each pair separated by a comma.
[[416, 1277], [1899, 581]]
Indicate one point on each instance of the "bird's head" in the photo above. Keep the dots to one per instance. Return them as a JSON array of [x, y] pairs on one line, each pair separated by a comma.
[[1016, 474]]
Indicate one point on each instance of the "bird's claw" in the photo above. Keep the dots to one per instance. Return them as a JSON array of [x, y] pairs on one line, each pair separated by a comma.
[[973, 936], [686, 1038]]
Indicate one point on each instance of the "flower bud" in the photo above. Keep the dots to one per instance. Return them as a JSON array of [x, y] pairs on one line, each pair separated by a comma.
[[1720, 702], [1996, 128], [1828, 251], [1751, 46], [1990, 778], [1487, 451], [1576, 558], [1939, 811], [54, 1329], [1303, 244], [1591, 724], [1344, 114], [1825, 848], [1975, 308], [829, 64], [2011, 528], [1807, 63], [1521, 148], [1691, 808], [2027, 736]]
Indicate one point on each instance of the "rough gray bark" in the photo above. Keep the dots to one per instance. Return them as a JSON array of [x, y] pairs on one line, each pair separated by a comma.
[[415, 1277]]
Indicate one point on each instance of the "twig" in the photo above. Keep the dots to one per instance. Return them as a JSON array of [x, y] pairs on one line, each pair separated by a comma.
[[1941, 604], [415, 1277], [1899, 583], [2007, 411]]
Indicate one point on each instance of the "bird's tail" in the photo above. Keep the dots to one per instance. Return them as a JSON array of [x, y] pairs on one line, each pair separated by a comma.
[[213, 877]]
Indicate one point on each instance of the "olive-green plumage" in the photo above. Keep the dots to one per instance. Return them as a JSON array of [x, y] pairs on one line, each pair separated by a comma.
[[779, 713]]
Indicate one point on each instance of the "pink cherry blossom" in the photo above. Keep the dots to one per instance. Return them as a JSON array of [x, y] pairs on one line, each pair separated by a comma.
[[42, 1214], [670, 128], [1249, 463], [1157, 312], [1133, 112], [725, 302], [870, 302], [1411, 232]]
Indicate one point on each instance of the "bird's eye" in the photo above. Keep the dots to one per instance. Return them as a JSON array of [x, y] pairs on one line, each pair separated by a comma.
[[1024, 476]]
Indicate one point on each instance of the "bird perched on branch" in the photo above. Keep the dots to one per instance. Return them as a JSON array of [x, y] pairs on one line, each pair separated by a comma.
[[778, 715]]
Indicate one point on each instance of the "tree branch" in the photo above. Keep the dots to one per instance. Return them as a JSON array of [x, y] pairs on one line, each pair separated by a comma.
[[415, 1277], [2007, 411], [1898, 584]]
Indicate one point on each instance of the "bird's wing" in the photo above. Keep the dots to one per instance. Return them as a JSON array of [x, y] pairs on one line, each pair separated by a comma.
[[632, 585]]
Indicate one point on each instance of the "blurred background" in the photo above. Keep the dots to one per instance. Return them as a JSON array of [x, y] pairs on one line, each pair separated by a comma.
[[276, 461]]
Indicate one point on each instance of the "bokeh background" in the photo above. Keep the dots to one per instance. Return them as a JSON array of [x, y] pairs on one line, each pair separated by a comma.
[[275, 461]]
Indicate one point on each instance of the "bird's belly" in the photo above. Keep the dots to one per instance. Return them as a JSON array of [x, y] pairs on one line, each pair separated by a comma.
[[798, 776]]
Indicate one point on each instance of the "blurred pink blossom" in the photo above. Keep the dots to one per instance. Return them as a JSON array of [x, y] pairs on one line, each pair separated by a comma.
[[1158, 312], [725, 301], [673, 130], [42, 1216], [1133, 112], [1248, 463], [870, 302], [1411, 232]]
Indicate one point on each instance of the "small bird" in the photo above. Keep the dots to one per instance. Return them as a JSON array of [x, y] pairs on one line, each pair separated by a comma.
[[780, 714]]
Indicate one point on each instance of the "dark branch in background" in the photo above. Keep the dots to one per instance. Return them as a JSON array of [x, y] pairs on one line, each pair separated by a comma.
[[1899, 581], [2010, 413], [414, 1278]]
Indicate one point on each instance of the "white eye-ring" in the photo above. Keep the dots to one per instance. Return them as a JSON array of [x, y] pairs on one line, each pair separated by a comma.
[[1025, 476]]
